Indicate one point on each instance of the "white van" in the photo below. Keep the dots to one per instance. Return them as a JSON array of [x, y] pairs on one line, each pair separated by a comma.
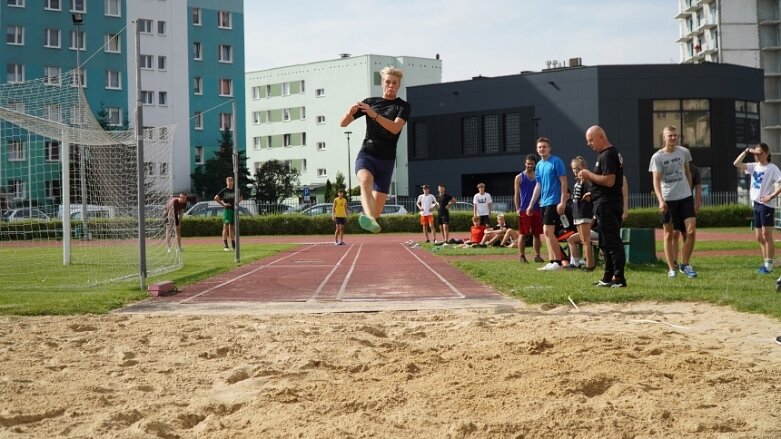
[[93, 211]]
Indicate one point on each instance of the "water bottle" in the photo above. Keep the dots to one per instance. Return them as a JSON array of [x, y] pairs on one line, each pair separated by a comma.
[[564, 221]]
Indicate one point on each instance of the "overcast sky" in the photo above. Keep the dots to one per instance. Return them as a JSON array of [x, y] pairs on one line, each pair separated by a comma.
[[473, 37]]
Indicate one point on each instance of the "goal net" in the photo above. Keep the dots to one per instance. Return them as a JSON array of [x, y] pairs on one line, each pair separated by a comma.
[[69, 191]]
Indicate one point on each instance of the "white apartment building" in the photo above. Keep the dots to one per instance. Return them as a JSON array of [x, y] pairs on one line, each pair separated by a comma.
[[293, 114], [743, 32]]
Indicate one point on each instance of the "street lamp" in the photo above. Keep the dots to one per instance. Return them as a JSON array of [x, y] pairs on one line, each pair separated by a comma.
[[349, 174]]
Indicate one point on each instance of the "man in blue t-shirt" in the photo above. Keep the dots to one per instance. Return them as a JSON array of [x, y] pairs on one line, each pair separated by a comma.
[[551, 190]]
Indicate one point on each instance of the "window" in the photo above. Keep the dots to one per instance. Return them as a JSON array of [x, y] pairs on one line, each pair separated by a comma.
[[145, 25], [321, 172], [491, 133], [51, 38], [303, 139], [77, 40], [420, 140], [197, 51], [321, 146], [256, 143], [114, 116], [53, 5], [161, 62], [15, 73], [320, 120], [51, 75], [198, 85], [268, 116], [74, 78], [53, 112], [52, 150], [303, 165], [257, 166], [196, 16], [225, 121], [149, 168], [53, 189], [162, 98], [164, 168], [160, 27], [16, 3], [15, 36], [224, 20], [256, 93], [747, 128], [17, 188], [112, 43], [113, 80], [690, 116], [286, 114], [287, 140], [226, 87], [319, 92], [198, 155], [112, 8], [512, 132], [285, 89], [303, 113], [15, 150], [303, 83], [78, 6], [256, 117], [225, 53], [470, 135], [198, 120], [268, 91], [145, 61]]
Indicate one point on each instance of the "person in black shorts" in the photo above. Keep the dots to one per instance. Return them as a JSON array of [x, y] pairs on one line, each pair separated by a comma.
[[444, 201], [173, 226], [385, 118], [227, 199]]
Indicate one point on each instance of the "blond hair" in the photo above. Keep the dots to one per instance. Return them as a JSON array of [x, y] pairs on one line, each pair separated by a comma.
[[392, 71]]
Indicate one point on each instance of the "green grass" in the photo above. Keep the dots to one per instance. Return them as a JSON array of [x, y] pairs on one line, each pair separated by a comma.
[[201, 262]]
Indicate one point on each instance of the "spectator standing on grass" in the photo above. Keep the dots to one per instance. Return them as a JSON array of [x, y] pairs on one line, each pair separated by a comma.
[[582, 215], [443, 203], [607, 180], [227, 199], [482, 204], [385, 118], [425, 203], [679, 230], [339, 216], [173, 225], [762, 191], [673, 188], [529, 223], [551, 191]]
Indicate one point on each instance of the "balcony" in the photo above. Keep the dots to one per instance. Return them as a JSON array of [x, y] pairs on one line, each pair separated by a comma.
[[682, 15], [769, 22], [684, 39]]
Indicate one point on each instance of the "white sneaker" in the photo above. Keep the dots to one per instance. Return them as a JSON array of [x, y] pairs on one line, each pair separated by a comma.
[[550, 266], [672, 273], [169, 249]]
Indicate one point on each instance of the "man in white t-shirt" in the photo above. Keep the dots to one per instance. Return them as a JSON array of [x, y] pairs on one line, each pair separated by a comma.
[[482, 204], [672, 180], [425, 205], [764, 176]]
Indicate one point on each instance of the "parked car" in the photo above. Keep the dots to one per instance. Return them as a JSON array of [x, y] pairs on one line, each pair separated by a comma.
[[326, 208], [212, 208], [273, 209], [93, 211], [462, 206], [25, 214]]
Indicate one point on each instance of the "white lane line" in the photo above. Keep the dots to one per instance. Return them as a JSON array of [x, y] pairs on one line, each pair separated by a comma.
[[330, 273], [229, 281], [340, 296], [445, 281]]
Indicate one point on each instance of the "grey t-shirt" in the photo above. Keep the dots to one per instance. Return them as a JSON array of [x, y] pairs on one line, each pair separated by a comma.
[[675, 186]]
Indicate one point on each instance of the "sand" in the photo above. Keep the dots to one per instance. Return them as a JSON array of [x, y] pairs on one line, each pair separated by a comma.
[[639, 370]]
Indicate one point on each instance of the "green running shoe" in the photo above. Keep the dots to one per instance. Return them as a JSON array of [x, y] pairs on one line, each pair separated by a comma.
[[369, 224]]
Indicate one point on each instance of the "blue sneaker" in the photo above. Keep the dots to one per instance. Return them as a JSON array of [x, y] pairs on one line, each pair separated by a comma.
[[763, 270], [688, 271], [369, 224]]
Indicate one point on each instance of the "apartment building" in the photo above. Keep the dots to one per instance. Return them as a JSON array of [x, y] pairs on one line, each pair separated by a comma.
[[293, 114]]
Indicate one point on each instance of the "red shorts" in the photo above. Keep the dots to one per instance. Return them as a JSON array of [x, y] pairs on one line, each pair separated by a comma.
[[530, 224], [427, 220]]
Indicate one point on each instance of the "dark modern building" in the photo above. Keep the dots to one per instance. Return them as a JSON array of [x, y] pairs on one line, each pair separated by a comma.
[[480, 130]]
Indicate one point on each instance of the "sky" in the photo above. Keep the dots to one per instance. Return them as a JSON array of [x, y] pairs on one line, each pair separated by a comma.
[[472, 37]]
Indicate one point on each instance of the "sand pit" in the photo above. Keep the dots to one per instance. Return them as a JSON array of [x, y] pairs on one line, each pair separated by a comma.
[[606, 371]]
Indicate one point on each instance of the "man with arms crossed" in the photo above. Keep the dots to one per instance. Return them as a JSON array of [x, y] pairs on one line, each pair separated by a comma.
[[607, 180]]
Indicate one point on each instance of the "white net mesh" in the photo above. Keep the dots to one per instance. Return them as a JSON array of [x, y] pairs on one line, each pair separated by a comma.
[[53, 150]]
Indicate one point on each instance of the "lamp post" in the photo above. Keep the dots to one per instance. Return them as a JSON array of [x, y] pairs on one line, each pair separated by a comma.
[[78, 21], [349, 174]]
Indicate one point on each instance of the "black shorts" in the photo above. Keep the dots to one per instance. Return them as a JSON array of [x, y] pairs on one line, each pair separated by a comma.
[[381, 169], [678, 211], [340, 220], [550, 216], [443, 218]]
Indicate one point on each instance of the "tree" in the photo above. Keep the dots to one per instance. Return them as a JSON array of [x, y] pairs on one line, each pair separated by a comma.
[[275, 181], [340, 183], [209, 178], [330, 191]]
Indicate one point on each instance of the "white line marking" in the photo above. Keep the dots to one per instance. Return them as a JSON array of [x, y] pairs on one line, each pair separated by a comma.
[[229, 281], [445, 281], [340, 296], [330, 273]]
